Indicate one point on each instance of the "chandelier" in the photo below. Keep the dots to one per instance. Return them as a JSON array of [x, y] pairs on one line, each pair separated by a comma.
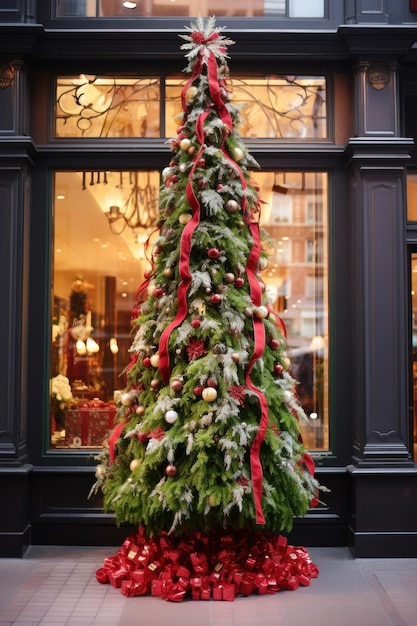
[[133, 199]]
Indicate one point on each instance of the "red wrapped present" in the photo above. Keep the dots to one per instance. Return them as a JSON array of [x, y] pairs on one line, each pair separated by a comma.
[[88, 426]]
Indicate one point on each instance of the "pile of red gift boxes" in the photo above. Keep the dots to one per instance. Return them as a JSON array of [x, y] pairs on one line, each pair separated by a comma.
[[203, 566]]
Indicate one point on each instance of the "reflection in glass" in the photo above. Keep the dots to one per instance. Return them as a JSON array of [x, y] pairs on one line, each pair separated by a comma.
[[274, 107], [96, 274], [414, 329], [271, 107], [295, 216], [99, 106], [191, 8]]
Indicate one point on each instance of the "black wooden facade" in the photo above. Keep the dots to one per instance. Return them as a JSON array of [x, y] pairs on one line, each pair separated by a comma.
[[370, 467]]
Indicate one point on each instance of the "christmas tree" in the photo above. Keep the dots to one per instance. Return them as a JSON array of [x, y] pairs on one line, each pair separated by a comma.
[[208, 437]]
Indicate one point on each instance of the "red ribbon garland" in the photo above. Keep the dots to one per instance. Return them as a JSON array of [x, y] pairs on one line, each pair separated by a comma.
[[255, 290], [115, 435], [184, 265], [259, 346]]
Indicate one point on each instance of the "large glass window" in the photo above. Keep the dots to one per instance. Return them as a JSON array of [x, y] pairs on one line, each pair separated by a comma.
[[272, 107], [101, 221], [414, 345], [171, 8]]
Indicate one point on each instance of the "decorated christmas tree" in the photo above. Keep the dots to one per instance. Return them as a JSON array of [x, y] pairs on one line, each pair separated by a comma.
[[206, 456]]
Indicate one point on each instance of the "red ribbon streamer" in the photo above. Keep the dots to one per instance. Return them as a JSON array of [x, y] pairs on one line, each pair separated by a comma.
[[184, 265], [259, 346], [115, 435]]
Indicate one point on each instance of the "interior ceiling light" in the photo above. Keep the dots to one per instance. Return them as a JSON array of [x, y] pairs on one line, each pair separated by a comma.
[[130, 5]]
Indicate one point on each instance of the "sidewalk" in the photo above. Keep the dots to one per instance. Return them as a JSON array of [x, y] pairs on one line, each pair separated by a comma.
[[56, 585]]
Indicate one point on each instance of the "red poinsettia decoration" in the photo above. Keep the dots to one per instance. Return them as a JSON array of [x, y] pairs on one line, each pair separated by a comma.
[[195, 349], [238, 393]]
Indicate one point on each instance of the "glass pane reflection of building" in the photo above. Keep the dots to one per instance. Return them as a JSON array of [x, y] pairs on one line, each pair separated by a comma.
[[99, 262], [172, 8]]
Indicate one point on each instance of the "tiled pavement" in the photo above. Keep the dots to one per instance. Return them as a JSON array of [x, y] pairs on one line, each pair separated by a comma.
[[55, 585]]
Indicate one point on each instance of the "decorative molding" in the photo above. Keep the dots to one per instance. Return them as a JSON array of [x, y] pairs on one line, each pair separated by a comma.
[[378, 76], [7, 74]]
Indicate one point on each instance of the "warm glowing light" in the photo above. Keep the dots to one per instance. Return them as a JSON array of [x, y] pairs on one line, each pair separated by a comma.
[[81, 347], [92, 346], [114, 348]]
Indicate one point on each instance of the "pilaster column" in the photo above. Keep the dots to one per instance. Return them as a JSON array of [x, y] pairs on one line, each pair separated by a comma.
[[16, 153], [377, 159]]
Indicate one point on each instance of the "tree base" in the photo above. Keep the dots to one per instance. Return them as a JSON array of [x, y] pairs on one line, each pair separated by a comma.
[[204, 566]]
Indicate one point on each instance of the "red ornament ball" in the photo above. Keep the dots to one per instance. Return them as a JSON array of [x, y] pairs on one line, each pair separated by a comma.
[[198, 390], [239, 282], [158, 292], [211, 382], [171, 470], [176, 385], [215, 298], [213, 253], [195, 323], [146, 361], [143, 437], [278, 369], [274, 343]]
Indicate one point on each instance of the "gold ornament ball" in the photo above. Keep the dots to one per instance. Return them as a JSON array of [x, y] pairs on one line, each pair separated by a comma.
[[184, 218], [127, 399], [168, 272], [286, 363], [191, 93], [155, 384], [263, 263], [229, 278], [155, 360], [182, 167], [235, 357], [134, 464], [211, 500], [140, 410], [209, 394], [185, 144], [261, 312], [238, 154]]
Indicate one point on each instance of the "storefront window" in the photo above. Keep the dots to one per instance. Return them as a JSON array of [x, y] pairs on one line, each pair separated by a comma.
[[171, 8], [412, 197], [295, 217], [414, 345], [101, 221], [272, 107]]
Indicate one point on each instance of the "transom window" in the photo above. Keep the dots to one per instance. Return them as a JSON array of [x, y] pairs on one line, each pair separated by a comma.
[[273, 107], [172, 8]]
